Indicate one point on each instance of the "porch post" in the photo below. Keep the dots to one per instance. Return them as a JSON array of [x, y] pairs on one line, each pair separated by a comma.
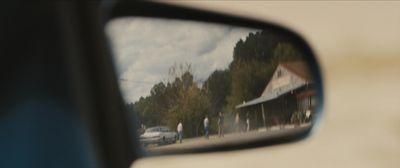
[[263, 115]]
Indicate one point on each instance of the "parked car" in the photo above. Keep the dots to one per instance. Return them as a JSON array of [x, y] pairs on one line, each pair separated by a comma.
[[158, 135]]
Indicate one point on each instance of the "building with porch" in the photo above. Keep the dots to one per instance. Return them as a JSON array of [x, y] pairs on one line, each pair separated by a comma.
[[288, 98]]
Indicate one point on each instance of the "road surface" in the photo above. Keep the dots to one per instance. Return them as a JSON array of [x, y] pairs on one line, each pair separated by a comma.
[[231, 138]]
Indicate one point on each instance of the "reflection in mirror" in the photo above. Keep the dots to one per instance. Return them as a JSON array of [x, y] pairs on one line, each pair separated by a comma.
[[194, 84]]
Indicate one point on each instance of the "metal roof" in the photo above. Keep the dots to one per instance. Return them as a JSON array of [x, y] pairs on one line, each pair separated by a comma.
[[298, 68], [264, 98], [256, 101]]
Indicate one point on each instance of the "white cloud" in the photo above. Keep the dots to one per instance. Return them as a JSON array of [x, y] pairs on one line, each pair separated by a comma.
[[145, 48]]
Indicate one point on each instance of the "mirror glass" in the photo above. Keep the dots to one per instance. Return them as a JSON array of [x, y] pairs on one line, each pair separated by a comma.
[[195, 84]]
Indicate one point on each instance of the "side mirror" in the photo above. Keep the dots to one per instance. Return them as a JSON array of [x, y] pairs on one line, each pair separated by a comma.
[[221, 82]]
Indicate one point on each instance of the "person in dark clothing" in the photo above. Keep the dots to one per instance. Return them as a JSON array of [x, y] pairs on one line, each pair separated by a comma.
[[220, 125]]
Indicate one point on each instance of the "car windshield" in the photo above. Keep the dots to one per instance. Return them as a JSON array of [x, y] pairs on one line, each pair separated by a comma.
[[154, 129]]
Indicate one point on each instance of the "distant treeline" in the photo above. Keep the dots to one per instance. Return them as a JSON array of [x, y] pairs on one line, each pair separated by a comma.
[[182, 99]]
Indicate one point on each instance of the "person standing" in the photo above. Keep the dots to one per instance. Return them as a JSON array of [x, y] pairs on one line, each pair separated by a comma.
[[220, 125], [180, 131], [308, 115], [247, 124], [237, 122], [142, 128], [206, 126]]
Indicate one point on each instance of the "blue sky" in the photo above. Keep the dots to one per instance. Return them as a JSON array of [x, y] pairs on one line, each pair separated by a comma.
[[145, 48]]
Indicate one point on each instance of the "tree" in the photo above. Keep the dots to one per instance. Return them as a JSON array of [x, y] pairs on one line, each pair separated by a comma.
[[257, 46], [218, 87], [249, 78], [285, 52], [178, 100]]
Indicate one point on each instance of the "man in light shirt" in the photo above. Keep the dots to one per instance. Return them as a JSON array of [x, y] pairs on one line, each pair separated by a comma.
[[180, 131], [247, 124], [206, 126]]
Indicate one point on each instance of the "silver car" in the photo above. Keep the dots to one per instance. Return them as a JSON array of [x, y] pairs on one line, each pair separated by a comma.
[[158, 135]]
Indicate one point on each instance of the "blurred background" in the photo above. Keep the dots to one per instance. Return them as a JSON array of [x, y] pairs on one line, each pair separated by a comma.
[[357, 44]]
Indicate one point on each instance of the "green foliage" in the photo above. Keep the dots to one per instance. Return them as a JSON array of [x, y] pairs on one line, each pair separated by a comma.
[[179, 100], [218, 87], [190, 108], [284, 52], [257, 46], [249, 79]]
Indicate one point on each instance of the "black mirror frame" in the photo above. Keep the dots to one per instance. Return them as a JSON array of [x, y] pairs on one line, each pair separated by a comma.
[[158, 10]]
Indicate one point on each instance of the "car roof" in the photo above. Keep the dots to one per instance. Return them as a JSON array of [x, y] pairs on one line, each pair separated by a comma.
[[158, 127]]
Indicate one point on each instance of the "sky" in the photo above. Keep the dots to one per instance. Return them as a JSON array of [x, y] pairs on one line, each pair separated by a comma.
[[144, 49]]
